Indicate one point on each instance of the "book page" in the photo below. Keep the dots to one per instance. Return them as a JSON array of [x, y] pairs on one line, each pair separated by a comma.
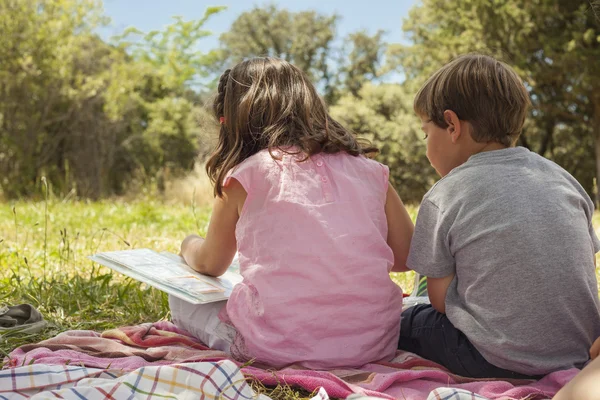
[[169, 272], [158, 267], [161, 285], [228, 280], [193, 284]]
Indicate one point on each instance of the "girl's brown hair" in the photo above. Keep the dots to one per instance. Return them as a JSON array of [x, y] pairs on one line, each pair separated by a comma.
[[268, 103]]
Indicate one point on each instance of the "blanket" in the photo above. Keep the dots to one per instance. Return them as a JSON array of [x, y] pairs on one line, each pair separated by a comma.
[[407, 376], [208, 380]]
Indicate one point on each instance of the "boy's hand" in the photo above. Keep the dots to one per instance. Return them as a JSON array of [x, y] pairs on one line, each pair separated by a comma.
[[595, 350]]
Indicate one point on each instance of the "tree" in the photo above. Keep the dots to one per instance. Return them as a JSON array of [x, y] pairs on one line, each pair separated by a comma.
[[383, 114], [344, 71], [308, 40], [302, 38], [173, 52], [86, 114], [44, 84], [164, 73], [553, 44], [359, 62]]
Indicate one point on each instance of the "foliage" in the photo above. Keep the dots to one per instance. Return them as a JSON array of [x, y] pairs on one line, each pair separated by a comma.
[[348, 74], [308, 40], [302, 38], [97, 118], [554, 45], [47, 76], [173, 52], [361, 60], [383, 114], [88, 115]]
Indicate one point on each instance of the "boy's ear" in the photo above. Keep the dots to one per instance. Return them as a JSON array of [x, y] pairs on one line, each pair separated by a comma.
[[454, 127]]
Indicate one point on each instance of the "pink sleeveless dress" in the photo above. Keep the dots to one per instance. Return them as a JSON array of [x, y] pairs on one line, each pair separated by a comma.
[[312, 241]]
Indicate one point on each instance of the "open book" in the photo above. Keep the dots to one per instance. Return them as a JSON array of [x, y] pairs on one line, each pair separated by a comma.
[[169, 272]]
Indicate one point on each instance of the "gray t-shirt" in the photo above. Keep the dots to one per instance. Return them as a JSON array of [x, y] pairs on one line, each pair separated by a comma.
[[517, 231]]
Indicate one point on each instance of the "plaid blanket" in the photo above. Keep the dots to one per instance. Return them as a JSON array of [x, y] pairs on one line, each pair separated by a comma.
[[407, 376], [454, 394], [206, 380]]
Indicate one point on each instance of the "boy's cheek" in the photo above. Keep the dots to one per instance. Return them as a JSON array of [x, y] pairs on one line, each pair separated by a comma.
[[435, 156], [431, 160]]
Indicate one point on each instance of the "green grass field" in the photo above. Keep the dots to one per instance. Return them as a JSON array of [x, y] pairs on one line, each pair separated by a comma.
[[43, 261], [43, 249]]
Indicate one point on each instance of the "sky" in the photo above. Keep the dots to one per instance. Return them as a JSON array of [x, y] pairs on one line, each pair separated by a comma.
[[147, 15]]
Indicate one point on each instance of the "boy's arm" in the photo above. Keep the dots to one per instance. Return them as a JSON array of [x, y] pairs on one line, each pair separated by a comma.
[[430, 254], [595, 350], [400, 229], [213, 255], [437, 289]]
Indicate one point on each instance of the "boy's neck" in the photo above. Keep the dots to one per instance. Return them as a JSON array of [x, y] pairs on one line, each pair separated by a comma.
[[471, 148], [477, 148], [491, 146]]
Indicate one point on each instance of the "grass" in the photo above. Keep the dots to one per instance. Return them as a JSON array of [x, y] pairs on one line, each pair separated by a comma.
[[43, 250], [43, 261]]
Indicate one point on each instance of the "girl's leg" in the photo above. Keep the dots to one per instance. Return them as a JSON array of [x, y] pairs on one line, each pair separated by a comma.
[[202, 321]]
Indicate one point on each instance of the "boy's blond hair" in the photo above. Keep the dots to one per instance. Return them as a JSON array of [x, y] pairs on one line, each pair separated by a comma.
[[481, 90]]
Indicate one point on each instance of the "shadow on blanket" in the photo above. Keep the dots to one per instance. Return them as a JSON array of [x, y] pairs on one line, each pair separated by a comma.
[[407, 376]]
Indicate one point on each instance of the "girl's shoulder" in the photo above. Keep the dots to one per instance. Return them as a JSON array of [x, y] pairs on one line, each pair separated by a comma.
[[361, 163], [252, 169], [360, 159], [262, 158], [360, 170]]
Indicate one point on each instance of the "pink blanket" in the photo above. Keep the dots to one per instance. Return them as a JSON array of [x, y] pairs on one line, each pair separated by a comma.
[[407, 376]]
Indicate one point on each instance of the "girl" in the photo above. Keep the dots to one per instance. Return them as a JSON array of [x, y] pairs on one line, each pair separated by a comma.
[[315, 223]]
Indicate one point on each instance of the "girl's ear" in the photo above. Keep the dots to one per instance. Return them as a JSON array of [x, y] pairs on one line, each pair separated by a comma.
[[454, 125]]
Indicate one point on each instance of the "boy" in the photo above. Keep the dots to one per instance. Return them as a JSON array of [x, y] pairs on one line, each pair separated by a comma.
[[505, 237]]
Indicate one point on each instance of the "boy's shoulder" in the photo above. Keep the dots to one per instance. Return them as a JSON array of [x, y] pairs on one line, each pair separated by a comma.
[[514, 170]]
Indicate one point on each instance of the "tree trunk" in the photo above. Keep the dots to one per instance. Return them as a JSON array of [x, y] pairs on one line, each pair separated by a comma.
[[596, 133], [548, 132], [523, 140]]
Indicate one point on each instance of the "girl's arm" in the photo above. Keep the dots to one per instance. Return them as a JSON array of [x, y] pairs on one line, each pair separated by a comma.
[[213, 255], [400, 229]]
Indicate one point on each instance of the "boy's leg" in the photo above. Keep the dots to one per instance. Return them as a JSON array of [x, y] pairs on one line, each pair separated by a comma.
[[202, 321], [430, 334]]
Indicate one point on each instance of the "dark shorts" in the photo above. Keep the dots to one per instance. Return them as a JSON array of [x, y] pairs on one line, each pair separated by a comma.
[[430, 334]]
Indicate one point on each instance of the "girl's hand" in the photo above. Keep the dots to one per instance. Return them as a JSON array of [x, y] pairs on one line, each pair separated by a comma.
[[595, 350]]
